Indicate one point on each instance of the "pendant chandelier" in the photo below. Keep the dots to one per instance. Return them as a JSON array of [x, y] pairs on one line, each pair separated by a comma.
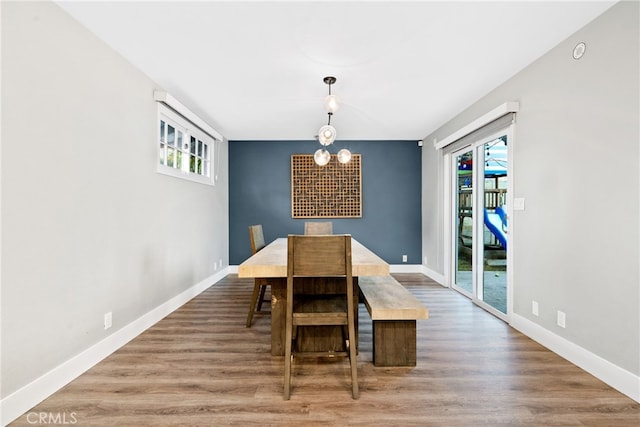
[[327, 133]]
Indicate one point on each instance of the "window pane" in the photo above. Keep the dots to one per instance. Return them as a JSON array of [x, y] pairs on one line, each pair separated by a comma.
[[171, 135], [182, 153], [170, 156]]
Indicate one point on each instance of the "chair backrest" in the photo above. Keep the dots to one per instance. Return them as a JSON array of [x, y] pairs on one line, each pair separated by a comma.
[[319, 256], [315, 228], [257, 238]]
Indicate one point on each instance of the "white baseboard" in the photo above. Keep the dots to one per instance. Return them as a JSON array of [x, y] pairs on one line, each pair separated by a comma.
[[19, 402], [434, 275], [618, 378], [405, 268]]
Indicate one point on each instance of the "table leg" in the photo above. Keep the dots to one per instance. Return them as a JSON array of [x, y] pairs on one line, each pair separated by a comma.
[[278, 315]]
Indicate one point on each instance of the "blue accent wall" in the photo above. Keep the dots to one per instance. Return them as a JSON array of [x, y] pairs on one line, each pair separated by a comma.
[[260, 193]]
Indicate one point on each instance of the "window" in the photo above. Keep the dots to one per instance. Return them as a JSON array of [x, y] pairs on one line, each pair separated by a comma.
[[184, 150]]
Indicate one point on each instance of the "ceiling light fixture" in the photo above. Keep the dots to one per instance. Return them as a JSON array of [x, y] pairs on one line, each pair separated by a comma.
[[327, 133]]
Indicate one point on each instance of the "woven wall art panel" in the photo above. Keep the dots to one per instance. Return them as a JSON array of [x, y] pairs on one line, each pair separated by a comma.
[[330, 191]]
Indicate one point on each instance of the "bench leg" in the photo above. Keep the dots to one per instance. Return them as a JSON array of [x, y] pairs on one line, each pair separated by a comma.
[[394, 342]]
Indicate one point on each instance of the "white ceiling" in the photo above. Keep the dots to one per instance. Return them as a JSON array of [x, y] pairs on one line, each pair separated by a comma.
[[254, 70]]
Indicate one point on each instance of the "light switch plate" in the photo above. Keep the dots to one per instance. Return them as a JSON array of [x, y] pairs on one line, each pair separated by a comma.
[[518, 204]]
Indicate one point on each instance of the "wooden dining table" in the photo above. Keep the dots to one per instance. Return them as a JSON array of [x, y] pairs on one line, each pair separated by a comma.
[[270, 263]]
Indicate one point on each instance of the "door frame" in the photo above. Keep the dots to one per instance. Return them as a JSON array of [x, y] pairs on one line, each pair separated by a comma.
[[450, 246]]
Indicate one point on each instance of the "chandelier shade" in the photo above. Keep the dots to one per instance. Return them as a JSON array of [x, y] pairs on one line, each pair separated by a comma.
[[321, 157], [331, 103], [344, 155], [326, 135]]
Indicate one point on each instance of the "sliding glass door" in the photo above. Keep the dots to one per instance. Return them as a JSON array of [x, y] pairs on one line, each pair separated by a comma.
[[480, 222]]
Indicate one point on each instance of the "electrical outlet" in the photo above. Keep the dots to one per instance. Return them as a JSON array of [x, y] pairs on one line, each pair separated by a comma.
[[562, 319], [404, 258], [108, 320], [534, 308]]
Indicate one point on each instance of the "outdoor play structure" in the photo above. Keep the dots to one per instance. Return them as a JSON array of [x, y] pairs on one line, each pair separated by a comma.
[[496, 222], [494, 169]]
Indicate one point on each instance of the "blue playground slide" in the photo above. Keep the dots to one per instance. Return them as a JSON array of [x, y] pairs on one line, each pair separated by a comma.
[[497, 224]]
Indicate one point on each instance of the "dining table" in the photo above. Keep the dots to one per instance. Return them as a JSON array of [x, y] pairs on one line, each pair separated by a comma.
[[270, 263]]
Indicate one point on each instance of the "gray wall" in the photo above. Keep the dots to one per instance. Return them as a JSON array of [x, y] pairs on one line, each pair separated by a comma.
[[88, 226], [576, 158], [260, 193]]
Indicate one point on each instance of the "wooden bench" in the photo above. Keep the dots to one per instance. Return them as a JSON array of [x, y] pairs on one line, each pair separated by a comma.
[[394, 311]]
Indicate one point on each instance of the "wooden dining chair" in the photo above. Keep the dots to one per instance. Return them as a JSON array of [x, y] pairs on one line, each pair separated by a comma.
[[315, 228], [320, 256], [259, 286]]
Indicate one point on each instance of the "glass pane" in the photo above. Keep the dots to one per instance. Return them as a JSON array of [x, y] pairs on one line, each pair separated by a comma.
[[179, 159], [193, 146], [161, 154], [170, 156], [206, 171], [199, 172], [171, 135], [464, 214], [162, 130], [180, 139], [192, 164], [199, 148], [494, 290], [206, 151]]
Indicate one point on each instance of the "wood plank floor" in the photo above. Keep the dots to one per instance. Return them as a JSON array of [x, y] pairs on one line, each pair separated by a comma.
[[200, 366]]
